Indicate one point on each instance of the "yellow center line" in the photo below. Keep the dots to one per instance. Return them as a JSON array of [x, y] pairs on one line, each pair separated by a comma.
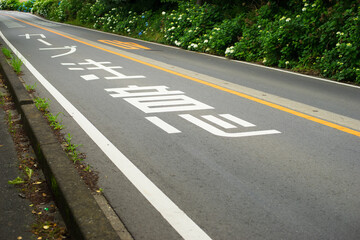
[[272, 105]]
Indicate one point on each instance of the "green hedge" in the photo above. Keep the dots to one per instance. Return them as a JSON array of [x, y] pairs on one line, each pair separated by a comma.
[[321, 37], [315, 37]]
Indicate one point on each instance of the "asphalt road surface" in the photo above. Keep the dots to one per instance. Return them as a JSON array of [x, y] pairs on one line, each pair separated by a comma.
[[194, 146]]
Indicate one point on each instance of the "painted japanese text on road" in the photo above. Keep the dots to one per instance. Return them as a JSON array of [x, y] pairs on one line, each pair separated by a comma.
[[153, 99]]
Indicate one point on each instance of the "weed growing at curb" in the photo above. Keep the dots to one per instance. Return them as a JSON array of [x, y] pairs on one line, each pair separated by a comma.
[[30, 182], [30, 88], [29, 172], [53, 121], [16, 63], [16, 181], [2, 99], [6, 52], [87, 168], [41, 104], [90, 177], [70, 148], [11, 122]]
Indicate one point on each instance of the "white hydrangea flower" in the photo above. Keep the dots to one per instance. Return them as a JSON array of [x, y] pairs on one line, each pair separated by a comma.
[[229, 50], [177, 43]]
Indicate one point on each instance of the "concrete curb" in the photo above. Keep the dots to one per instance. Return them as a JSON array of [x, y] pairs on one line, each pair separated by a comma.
[[82, 215]]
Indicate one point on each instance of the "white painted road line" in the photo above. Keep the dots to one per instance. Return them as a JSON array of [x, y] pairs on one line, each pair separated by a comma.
[[185, 226], [71, 49], [28, 36], [237, 120], [218, 132], [44, 42], [163, 125], [172, 103], [76, 69], [101, 66], [136, 91], [90, 77], [218, 121]]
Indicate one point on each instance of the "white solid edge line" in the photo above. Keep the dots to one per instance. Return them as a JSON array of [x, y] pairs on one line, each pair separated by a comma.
[[185, 226], [163, 125], [206, 54]]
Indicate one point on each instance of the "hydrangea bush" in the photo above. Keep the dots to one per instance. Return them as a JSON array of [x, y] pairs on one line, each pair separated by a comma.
[[185, 26], [316, 37], [26, 6], [306, 35], [341, 59]]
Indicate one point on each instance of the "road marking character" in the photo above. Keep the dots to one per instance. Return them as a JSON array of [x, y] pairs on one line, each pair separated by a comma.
[[100, 66], [219, 132], [71, 48], [158, 99], [28, 35]]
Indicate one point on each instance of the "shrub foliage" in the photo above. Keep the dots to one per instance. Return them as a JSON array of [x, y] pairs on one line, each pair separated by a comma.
[[305, 35]]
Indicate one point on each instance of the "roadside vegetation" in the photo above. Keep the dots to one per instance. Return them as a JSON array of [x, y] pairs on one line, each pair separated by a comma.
[[310, 36], [43, 105], [30, 180], [15, 62]]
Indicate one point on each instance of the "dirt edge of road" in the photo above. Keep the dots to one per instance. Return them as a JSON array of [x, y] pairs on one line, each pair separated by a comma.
[[83, 216]]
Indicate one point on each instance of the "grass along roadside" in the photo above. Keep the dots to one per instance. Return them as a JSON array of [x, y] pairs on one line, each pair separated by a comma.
[[312, 37], [14, 61], [30, 182], [89, 176], [43, 105], [7, 53]]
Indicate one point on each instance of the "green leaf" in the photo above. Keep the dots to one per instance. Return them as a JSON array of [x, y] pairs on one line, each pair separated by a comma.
[[17, 180]]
